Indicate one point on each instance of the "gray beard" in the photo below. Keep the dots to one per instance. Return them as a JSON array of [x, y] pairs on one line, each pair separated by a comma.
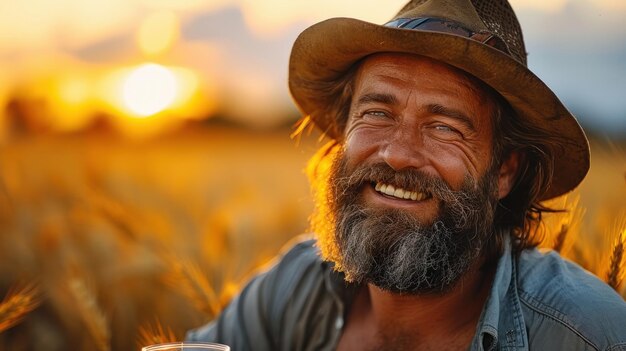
[[392, 249]]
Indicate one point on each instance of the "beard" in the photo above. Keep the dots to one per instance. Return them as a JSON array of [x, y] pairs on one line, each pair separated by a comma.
[[391, 248]]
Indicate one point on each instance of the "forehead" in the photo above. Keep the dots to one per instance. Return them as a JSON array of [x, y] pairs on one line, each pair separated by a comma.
[[419, 70]]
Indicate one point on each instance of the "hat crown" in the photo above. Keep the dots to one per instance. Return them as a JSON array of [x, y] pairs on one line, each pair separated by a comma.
[[494, 16]]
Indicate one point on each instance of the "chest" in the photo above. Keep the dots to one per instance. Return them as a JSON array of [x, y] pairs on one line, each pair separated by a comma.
[[359, 340]]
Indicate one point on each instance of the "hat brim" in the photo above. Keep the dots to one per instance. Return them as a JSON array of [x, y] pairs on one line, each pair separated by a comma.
[[325, 51]]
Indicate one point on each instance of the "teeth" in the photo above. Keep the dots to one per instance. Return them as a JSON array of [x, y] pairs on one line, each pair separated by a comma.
[[389, 190], [400, 193]]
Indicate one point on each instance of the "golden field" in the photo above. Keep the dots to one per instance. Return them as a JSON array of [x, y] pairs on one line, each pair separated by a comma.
[[109, 243]]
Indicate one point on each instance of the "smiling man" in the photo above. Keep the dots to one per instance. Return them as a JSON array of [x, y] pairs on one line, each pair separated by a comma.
[[428, 197]]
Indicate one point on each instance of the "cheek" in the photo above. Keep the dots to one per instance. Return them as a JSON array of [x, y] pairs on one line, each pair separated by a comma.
[[453, 162], [361, 144]]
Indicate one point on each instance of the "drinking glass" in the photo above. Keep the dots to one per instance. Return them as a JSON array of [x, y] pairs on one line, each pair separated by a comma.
[[186, 346]]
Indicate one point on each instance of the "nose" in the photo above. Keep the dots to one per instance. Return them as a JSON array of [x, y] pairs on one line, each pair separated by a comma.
[[404, 150]]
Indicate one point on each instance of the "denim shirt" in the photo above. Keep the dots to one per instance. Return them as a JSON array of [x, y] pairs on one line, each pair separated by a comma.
[[538, 301]]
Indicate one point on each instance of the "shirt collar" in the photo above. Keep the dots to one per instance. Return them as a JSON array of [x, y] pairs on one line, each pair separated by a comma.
[[336, 284], [502, 322]]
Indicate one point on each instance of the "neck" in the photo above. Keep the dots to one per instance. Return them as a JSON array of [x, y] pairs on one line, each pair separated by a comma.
[[398, 317]]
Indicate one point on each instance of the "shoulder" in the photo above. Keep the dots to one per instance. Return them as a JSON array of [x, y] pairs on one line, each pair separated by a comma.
[[295, 270], [255, 318], [299, 263], [561, 298], [299, 255], [299, 273]]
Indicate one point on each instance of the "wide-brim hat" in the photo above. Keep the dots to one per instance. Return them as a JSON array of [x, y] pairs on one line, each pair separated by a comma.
[[481, 37]]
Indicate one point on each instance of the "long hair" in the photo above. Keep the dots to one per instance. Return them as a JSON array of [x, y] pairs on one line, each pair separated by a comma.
[[520, 212]]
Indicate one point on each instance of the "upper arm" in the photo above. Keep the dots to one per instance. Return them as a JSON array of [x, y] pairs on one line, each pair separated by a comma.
[[254, 319]]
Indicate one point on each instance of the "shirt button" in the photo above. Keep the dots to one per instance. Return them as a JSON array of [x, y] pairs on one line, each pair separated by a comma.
[[339, 323]]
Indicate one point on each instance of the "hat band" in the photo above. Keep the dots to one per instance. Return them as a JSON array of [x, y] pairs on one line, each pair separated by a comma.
[[451, 27]]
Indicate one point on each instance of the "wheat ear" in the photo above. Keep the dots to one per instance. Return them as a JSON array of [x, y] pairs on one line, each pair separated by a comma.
[[188, 279], [18, 302], [615, 273], [91, 313], [155, 334]]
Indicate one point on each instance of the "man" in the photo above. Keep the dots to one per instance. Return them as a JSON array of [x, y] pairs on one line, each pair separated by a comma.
[[444, 146]]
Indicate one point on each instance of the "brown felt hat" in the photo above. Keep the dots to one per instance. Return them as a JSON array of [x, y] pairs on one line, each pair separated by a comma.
[[481, 37]]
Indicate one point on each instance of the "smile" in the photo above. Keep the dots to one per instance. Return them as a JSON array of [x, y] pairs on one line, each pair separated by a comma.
[[399, 193]]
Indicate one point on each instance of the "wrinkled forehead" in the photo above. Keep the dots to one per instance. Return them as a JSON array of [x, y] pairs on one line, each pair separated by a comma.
[[414, 65]]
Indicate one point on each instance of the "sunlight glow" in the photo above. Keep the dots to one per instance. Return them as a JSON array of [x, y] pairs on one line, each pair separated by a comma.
[[158, 32], [71, 99], [74, 90], [149, 89]]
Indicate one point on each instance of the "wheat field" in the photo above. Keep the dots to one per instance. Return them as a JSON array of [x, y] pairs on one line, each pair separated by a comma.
[[109, 243]]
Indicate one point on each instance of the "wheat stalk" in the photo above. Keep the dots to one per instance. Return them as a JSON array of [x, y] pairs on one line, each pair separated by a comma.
[[559, 241], [18, 302], [155, 334], [91, 314], [615, 273], [562, 229]]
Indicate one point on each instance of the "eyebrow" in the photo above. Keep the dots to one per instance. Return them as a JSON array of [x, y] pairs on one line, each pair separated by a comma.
[[391, 99], [388, 99], [452, 113]]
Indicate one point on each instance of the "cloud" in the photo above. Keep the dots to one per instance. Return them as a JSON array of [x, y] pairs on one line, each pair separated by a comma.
[[579, 51], [250, 68]]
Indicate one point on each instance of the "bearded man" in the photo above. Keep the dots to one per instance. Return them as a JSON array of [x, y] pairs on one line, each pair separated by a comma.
[[444, 145]]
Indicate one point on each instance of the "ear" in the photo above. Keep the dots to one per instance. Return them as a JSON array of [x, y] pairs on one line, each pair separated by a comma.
[[508, 173]]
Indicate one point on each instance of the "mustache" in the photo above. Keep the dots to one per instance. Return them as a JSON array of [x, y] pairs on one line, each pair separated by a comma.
[[346, 180]]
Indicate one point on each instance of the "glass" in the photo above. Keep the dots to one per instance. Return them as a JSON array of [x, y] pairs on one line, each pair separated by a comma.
[[186, 346]]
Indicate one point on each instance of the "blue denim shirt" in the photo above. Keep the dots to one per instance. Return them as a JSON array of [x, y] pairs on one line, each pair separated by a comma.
[[538, 301]]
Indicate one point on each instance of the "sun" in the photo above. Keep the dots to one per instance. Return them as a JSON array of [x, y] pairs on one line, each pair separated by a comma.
[[149, 89]]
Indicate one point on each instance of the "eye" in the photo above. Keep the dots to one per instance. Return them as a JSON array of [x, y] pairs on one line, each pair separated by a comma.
[[446, 132], [444, 128], [377, 117], [376, 114]]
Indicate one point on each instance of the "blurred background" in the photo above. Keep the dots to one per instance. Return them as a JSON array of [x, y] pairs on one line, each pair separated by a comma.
[[147, 169]]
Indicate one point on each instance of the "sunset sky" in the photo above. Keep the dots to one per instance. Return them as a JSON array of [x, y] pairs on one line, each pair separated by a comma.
[[237, 50]]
